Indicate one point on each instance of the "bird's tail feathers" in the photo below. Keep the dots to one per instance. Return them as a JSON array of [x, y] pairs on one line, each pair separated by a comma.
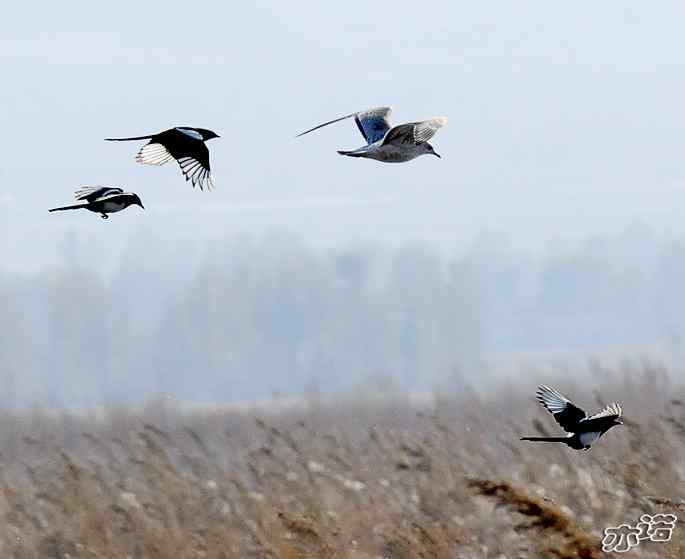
[[326, 124], [74, 207], [545, 439], [127, 139]]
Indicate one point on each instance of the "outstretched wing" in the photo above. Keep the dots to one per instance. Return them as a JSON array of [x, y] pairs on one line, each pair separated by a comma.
[[612, 411], [91, 193], [415, 133], [372, 123], [196, 168], [564, 411]]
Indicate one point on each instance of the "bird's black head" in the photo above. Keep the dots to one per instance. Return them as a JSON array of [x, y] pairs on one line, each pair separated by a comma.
[[135, 200], [207, 134]]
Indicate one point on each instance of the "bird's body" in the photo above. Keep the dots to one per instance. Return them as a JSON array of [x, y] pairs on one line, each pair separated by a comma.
[[390, 144], [583, 429], [103, 200], [184, 144], [387, 153]]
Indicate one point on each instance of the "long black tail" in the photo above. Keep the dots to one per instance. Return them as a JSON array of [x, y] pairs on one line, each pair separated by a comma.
[[546, 439], [349, 153], [74, 207], [127, 139]]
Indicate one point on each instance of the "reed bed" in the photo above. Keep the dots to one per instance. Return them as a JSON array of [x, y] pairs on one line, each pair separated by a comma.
[[361, 476]]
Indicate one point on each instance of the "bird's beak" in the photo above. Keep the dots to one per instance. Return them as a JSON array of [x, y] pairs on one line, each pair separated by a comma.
[[141, 205], [437, 155]]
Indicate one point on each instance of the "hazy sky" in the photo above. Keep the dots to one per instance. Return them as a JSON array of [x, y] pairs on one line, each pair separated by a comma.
[[566, 120]]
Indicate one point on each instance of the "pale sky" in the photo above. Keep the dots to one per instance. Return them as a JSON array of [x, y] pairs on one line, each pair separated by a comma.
[[565, 119]]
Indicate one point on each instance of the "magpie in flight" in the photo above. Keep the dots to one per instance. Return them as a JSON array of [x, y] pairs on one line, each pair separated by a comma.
[[102, 200], [389, 144], [583, 429], [184, 144]]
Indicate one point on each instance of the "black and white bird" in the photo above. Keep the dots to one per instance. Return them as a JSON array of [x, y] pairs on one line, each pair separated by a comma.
[[103, 200], [388, 144], [184, 144], [583, 429]]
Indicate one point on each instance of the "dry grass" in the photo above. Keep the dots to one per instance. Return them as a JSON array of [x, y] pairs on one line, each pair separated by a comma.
[[357, 478]]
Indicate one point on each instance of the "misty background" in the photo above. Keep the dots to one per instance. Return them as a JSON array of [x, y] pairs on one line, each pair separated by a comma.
[[550, 231]]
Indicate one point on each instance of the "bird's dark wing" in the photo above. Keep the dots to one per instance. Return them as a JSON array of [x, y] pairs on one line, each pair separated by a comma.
[[153, 153], [415, 133], [372, 123], [91, 193], [195, 166], [567, 414]]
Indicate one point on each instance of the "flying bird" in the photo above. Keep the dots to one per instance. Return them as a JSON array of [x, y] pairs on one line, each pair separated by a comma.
[[388, 144], [102, 200], [583, 429], [184, 144]]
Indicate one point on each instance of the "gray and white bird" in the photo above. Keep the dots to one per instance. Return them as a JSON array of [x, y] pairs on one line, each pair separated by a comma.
[[388, 144], [103, 200], [583, 430]]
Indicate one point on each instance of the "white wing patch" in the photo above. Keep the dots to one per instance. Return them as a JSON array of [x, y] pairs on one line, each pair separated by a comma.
[[611, 410], [196, 173], [153, 154], [192, 133]]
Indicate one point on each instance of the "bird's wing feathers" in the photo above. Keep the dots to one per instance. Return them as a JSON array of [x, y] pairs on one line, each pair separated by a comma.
[[424, 131], [194, 163], [564, 411], [90, 193], [196, 173], [611, 411], [196, 169], [190, 132], [415, 132], [372, 123], [153, 154]]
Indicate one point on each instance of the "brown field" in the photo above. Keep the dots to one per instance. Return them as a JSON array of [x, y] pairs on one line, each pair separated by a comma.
[[360, 477]]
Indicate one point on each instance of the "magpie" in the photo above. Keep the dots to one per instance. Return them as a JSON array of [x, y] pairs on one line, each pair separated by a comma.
[[103, 200], [583, 429], [184, 144]]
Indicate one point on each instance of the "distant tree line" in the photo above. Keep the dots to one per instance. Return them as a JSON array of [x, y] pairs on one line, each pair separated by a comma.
[[244, 317]]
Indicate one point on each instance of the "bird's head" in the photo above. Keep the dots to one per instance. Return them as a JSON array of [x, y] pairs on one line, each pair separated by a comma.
[[427, 148], [135, 200], [207, 134]]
